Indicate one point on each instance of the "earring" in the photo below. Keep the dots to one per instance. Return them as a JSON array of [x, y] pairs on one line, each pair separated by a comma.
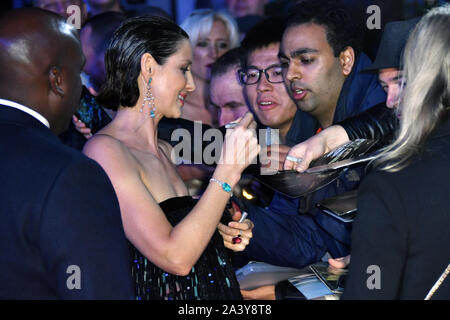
[[150, 98]]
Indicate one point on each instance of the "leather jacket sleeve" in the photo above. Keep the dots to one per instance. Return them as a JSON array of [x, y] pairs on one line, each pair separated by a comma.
[[378, 122]]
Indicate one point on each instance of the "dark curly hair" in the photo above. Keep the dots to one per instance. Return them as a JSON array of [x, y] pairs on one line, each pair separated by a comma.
[[136, 36], [343, 29]]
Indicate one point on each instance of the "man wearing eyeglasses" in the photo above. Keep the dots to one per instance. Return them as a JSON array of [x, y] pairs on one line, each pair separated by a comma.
[[262, 78]]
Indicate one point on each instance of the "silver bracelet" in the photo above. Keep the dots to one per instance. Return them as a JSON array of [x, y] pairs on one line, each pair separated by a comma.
[[225, 186]]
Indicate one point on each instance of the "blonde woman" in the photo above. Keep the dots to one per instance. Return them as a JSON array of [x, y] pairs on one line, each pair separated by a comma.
[[400, 241], [211, 33]]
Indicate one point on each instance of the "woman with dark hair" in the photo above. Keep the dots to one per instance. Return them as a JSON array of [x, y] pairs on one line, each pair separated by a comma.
[[178, 253]]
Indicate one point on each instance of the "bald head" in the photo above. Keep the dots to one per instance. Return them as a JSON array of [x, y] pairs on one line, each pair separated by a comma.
[[40, 63]]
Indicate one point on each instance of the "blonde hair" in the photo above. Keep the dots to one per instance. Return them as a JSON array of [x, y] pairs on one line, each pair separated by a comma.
[[199, 24], [425, 98]]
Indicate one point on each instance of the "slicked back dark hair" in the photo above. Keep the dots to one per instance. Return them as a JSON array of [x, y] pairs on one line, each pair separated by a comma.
[[263, 34], [136, 36], [342, 28], [226, 61]]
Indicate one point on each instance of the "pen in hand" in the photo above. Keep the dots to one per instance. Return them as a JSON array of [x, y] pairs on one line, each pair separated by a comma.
[[238, 239], [231, 125]]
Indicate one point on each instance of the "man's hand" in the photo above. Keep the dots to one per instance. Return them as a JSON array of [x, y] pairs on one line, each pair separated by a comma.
[[261, 293], [340, 263], [273, 156], [301, 155]]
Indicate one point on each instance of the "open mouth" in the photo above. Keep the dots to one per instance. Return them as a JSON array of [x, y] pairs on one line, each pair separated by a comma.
[[266, 105], [181, 97], [299, 93]]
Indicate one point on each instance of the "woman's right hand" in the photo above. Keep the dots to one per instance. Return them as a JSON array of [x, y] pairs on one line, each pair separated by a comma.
[[239, 150]]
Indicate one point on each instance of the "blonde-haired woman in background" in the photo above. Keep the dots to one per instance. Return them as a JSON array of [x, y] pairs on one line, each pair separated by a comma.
[[211, 33], [400, 241]]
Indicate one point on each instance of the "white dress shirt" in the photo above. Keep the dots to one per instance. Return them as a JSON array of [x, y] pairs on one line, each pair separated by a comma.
[[31, 112]]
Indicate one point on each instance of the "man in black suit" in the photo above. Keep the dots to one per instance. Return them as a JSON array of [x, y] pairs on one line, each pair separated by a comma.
[[61, 234]]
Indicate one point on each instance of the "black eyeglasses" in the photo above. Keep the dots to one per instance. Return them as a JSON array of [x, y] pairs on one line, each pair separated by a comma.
[[274, 74]]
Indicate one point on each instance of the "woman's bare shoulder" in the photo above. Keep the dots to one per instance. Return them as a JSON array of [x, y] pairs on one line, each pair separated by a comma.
[[102, 142], [108, 150]]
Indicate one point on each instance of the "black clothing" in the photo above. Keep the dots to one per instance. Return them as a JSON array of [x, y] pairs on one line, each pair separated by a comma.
[[211, 278], [59, 214], [402, 227], [378, 122]]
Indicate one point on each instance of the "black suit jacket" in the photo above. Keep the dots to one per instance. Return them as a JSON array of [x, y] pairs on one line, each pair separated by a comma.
[[403, 228], [61, 234]]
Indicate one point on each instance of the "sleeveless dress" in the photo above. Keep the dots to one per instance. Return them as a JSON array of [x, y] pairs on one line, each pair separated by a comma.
[[211, 278]]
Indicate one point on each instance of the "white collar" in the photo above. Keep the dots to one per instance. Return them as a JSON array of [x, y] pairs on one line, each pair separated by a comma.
[[31, 112]]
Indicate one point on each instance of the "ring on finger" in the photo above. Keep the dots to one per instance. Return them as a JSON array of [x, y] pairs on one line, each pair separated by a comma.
[[294, 159], [238, 239]]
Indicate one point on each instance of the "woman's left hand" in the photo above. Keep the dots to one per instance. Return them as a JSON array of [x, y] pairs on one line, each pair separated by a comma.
[[80, 126], [235, 229]]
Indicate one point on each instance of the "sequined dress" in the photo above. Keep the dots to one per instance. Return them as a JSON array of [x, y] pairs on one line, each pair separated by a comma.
[[211, 278]]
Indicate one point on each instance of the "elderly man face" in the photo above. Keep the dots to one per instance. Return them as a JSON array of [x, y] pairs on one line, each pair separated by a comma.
[[226, 96]]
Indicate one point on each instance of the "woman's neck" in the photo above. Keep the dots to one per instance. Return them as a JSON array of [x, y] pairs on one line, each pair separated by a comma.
[[138, 129]]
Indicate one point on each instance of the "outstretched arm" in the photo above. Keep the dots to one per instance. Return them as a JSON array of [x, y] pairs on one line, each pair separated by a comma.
[[174, 249], [314, 147], [376, 123]]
